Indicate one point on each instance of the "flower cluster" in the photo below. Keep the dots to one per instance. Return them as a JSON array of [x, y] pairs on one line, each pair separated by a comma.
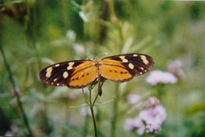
[[162, 77], [149, 119]]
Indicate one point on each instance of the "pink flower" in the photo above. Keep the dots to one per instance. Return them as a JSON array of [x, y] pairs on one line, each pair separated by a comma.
[[151, 102], [149, 119], [158, 76]]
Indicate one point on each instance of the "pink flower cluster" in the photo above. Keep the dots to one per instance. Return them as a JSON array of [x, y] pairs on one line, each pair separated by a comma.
[[158, 76], [149, 119]]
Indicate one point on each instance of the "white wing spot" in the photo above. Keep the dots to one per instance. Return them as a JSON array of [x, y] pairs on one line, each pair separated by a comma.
[[48, 72], [57, 84], [135, 55], [131, 66], [141, 68], [65, 74], [144, 59], [140, 73], [70, 65], [55, 79], [57, 65], [123, 59]]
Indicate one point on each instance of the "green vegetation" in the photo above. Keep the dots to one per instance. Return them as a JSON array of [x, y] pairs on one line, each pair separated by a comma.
[[35, 34]]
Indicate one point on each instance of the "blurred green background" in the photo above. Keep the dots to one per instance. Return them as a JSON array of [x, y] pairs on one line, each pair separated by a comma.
[[35, 33]]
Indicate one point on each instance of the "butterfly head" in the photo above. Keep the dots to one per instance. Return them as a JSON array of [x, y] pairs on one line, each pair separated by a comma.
[[97, 61]]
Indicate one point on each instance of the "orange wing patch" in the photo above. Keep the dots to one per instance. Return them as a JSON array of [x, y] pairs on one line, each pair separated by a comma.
[[83, 75], [114, 70]]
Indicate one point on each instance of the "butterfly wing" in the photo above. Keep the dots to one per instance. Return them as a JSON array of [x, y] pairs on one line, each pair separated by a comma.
[[125, 66], [74, 74]]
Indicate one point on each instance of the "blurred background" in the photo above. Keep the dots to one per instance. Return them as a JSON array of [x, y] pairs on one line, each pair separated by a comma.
[[35, 34]]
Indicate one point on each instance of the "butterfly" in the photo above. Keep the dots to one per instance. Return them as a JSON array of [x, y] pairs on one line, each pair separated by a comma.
[[81, 73]]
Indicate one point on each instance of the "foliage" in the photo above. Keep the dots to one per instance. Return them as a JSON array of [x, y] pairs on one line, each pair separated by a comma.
[[34, 34]]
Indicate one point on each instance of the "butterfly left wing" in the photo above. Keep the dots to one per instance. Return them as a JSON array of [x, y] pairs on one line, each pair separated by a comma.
[[74, 74], [125, 66]]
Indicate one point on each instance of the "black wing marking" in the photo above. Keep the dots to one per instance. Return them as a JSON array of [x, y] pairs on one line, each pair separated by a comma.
[[59, 74]]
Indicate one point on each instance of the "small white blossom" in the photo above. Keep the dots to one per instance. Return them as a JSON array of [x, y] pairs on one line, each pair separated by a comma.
[[158, 76], [83, 16], [70, 34], [133, 98], [79, 49]]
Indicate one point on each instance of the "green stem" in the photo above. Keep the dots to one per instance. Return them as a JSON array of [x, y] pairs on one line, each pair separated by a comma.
[[16, 91], [115, 111], [91, 105]]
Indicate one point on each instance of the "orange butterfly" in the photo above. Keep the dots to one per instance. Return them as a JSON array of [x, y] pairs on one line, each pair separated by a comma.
[[80, 73]]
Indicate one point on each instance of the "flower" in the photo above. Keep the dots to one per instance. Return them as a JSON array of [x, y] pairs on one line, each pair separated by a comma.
[[134, 123], [158, 76], [151, 102], [149, 119], [79, 49], [70, 34], [153, 117], [133, 98]]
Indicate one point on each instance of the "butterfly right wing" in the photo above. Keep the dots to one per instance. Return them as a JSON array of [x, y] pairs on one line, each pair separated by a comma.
[[124, 67]]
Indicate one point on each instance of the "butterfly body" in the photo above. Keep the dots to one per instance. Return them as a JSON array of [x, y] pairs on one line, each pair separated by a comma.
[[80, 73]]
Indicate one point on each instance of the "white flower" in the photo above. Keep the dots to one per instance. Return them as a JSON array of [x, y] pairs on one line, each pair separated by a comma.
[[79, 49], [133, 98], [158, 76], [85, 111], [70, 34], [83, 16]]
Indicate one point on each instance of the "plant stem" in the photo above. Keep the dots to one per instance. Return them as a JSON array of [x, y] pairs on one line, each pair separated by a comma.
[[16, 91], [115, 111], [91, 105]]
